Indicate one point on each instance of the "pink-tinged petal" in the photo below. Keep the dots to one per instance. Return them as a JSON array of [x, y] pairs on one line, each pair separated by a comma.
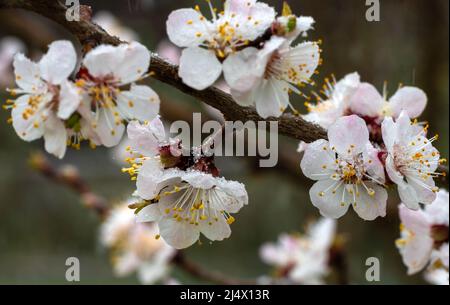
[[142, 138], [274, 255], [303, 59], [178, 234], [28, 74], [238, 7], [392, 171], [140, 103], [215, 230], [55, 136], [327, 197], [437, 276], [405, 130], [199, 68], [150, 213], [187, 28], [373, 164], [245, 99], [408, 196], [262, 16], [104, 60], [410, 99], [88, 132], [389, 131], [367, 101], [369, 207], [416, 252], [424, 188], [415, 221], [239, 70], [349, 135], [271, 98], [28, 128], [318, 162], [69, 100], [438, 211], [135, 63], [59, 62], [108, 128], [151, 272]]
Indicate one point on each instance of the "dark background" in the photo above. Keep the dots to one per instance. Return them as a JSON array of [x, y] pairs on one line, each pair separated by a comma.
[[41, 224]]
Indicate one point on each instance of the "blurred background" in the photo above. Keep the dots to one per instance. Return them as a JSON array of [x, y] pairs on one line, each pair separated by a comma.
[[41, 224]]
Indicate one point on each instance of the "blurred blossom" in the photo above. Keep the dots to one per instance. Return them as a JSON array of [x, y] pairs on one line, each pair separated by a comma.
[[135, 247], [114, 27], [424, 239], [9, 46], [302, 259]]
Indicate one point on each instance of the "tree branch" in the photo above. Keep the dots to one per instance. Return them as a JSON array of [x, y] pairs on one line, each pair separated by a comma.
[[69, 177], [90, 35]]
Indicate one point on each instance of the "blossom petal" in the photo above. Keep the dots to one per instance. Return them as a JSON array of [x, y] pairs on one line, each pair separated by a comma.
[[150, 213], [59, 62], [28, 74], [55, 136], [389, 131], [28, 128], [104, 60], [215, 230], [142, 138], [272, 98], [148, 179], [69, 100], [187, 27], [140, 103], [371, 207], [327, 198], [318, 160], [239, 70], [108, 128], [367, 101], [303, 59], [151, 272], [199, 68], [234, 195], [349, 135], [135, 63], [410, 99], [178, 234], [424, 188]]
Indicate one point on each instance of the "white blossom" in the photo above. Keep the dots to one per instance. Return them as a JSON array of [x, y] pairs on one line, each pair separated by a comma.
[[424, 239], [135, 247], [303, 259], [411, 161], [208, 43], [181, 198], [106, 70], [266, 77], [47, 98], [347, 171]]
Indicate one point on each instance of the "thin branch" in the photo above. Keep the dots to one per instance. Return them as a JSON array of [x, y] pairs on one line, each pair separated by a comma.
[[68, 176], [90, 35]]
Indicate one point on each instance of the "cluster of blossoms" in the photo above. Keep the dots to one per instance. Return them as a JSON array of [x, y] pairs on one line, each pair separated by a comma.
[[302, 259], [374, 142], [424, 239], [182, 192], [134, 248], [93, 106], [251, 46]]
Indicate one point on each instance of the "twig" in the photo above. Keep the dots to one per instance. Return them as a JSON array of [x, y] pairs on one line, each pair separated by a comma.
[[69, 177], [90, 35]]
